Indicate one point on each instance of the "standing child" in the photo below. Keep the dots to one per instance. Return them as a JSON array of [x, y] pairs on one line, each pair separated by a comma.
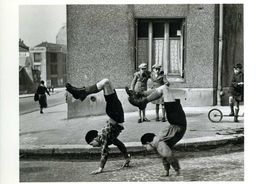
[[173, 134], [237, 91], [159, 79], [139, 84], [114, 124]]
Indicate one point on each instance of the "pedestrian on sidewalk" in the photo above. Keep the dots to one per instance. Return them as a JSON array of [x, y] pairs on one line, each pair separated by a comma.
[[236, 91], [159, 79], [41, 90], [139, 84], [114, 126], [170, 136]]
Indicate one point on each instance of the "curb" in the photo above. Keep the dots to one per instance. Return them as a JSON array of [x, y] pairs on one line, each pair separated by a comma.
[[134, 148]]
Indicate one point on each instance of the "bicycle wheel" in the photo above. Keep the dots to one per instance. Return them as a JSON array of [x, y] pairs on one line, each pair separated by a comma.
[[215, 115]]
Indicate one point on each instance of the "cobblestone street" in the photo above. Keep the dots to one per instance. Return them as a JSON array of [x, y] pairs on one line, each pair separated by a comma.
[[223, 167]]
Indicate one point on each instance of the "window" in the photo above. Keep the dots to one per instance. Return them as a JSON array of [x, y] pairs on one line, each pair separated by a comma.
[[54, 81], [37, 57], [64, 64], [53, 57], [161, 41], [37, 67], [54, 69]]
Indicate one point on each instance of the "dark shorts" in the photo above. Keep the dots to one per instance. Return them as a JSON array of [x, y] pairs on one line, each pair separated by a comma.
[[176, 138], [114, 108], [175, 113], [175, 116]]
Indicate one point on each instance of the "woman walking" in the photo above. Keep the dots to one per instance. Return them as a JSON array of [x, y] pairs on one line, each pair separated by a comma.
[[42, 96]]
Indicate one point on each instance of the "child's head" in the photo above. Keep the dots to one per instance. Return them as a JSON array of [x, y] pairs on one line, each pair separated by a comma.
[[90, 138], [157, 68], [143, 67], [146, 140]]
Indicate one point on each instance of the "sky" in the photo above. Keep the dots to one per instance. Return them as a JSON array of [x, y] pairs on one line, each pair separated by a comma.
[[39, 23]]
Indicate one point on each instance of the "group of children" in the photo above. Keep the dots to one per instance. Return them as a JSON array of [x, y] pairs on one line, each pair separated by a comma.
[[162, 143], [139, 85], [115, 124]]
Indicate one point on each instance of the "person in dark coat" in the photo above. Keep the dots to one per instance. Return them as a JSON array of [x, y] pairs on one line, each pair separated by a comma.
[[159, 79], [139, 84], [236, 91], [165, 142], [41, 90]]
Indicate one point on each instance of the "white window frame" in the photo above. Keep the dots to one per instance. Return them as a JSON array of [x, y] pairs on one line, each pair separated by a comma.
[[166, 47]]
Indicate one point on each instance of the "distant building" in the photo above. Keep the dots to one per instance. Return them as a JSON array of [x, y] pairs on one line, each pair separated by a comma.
[[28, 76], [50, 59], [23, 52], [61, 37]]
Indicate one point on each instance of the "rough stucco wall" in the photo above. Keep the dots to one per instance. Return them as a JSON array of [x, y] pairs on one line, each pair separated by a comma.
[[200, 46], [100, 44], [200, 32], [163, 11]]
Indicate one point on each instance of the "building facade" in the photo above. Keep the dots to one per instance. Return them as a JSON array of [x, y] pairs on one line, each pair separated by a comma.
[[28, 77], [23, 53], [50, 60], [110, 41]]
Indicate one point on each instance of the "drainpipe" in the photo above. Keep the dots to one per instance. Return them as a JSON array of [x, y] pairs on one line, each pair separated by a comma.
[[220, 44]]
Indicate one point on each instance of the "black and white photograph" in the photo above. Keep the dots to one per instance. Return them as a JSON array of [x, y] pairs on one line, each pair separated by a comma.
[[128, 92]]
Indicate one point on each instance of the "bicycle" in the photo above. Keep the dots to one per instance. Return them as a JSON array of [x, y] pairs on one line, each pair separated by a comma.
[[215, 115]]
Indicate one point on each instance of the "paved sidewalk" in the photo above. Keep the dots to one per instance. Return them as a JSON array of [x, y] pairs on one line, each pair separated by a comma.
[[52, 133]]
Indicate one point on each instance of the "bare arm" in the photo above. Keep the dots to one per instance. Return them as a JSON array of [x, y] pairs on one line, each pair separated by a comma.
[[133, 82], [103, 160], [46, 90], [165, 81]]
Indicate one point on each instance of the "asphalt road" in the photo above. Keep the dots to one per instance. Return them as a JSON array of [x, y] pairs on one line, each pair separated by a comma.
[[27, 104], [207, 166]]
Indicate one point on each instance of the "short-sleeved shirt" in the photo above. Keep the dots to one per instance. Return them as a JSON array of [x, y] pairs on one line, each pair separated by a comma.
[[108, 134]]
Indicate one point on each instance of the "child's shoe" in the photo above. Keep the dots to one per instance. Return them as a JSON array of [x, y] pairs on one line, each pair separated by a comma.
[[147, 120], [127, 161], [139, 121], [231, 114], [166, 174], [77, 93]]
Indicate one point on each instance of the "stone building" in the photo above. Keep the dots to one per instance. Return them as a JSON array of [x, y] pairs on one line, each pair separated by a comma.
[[28, 77], [110, 41]]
